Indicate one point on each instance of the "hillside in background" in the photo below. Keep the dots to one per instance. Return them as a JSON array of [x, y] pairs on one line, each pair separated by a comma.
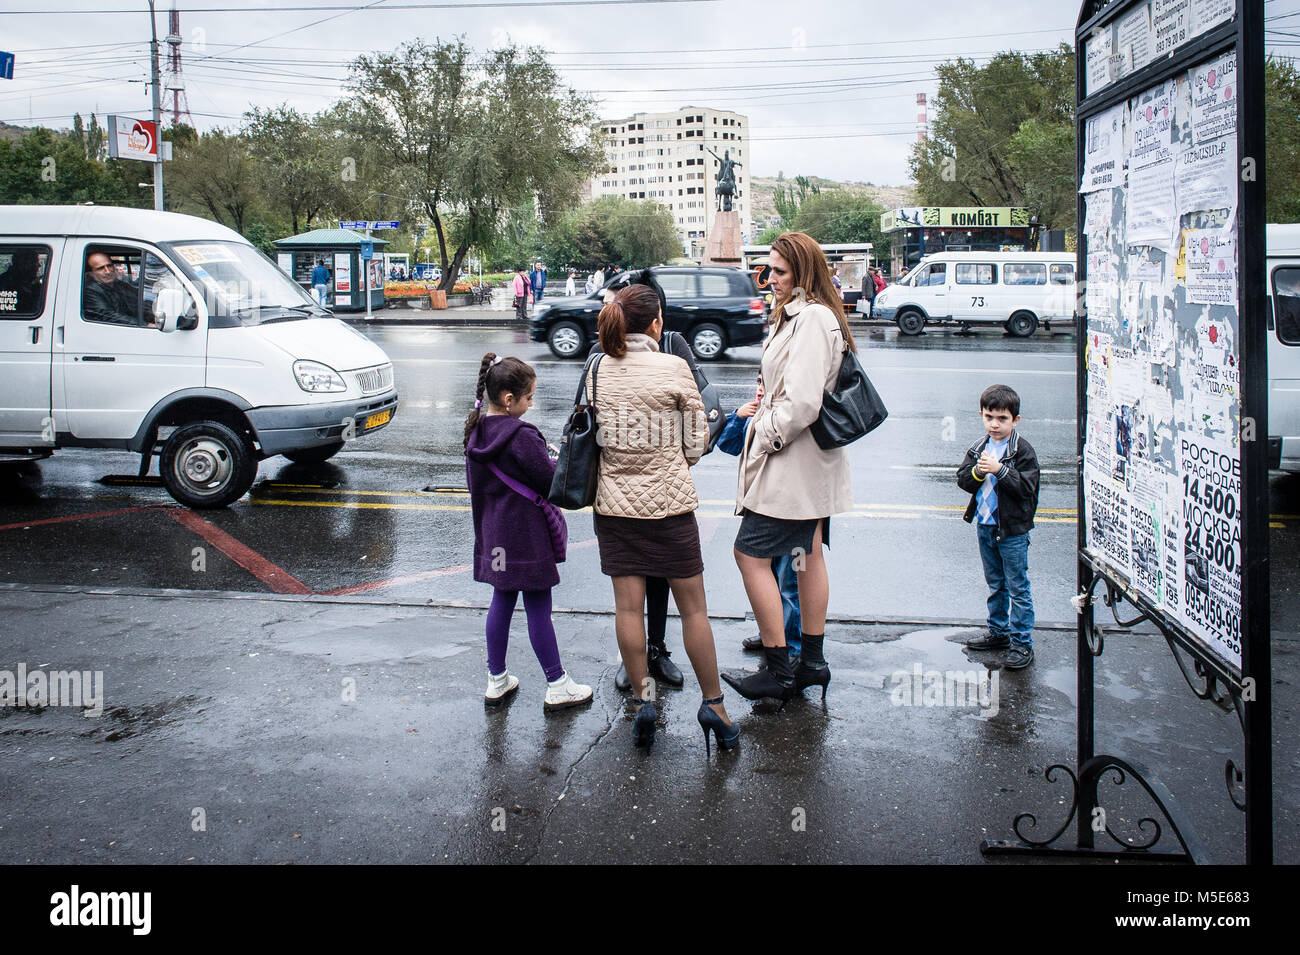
[[761, 190]]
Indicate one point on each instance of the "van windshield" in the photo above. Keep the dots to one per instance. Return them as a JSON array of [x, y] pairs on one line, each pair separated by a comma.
[[241, 286]]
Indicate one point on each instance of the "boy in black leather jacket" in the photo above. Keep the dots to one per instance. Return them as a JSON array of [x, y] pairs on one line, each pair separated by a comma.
[[1001, 473]]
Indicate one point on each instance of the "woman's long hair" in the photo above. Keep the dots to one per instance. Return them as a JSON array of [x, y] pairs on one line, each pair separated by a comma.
[[632, 312], [507, 376], [810, 272]]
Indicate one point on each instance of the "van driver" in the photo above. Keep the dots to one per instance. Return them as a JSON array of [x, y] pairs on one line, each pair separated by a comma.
[[106, 296]]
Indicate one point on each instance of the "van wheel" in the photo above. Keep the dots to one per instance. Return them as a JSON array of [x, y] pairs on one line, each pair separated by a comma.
[[911, 322], [565, 339], [1023, 324], [207, 465], [315, 455], [708, 341]]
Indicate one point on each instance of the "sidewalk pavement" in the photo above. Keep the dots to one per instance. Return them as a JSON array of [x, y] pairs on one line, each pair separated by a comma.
[[247, 728]]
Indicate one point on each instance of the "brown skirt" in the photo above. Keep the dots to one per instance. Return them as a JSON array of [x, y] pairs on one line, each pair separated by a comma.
[[657, 547]]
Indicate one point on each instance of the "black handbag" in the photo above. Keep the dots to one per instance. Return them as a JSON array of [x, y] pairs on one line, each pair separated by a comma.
[[716, 417], [574, 484], [852, 410]]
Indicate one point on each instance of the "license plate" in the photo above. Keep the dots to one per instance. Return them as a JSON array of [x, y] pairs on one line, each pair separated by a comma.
[[375, 420]]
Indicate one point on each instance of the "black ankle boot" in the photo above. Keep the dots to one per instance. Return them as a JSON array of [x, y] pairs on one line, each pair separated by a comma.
[[661, 667], [776, 681], [812, 669]]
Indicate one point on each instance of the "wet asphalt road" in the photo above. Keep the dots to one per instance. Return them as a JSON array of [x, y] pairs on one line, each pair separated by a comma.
[[232, 703], [388, 517]]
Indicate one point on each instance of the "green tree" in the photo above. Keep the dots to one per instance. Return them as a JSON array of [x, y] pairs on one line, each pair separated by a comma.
[[472, 143], [836, 216], [216, 174], [1282, 146], [47, 168], [1003, 135], [789, 198], [612, 229], [297, 161]]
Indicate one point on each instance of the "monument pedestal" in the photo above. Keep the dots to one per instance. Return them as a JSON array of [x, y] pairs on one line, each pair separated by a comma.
[[723, 245]]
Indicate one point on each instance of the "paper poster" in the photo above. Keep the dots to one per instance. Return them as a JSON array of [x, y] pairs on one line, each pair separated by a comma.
[[1097, 49], [1152, 121], [1135, 40], [1212, 266], [1100, 296], [1214, 98], [343, 272], [1108, 523], [1208, 14], [1149, 490], [1104, 150], [285, 261], [1099, 211], [1097, 355], [1171, 24], [1212, 543], [1126, 375], [1205, 176], [1149, 215]]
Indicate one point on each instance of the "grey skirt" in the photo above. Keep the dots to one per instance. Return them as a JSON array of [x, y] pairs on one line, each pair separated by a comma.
[[763, 536]]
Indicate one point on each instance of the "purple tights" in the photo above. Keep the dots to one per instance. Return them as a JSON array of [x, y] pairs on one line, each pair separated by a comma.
[[537, 605]]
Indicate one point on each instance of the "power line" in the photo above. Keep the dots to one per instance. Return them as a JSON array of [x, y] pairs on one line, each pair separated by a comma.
[[320, 8]]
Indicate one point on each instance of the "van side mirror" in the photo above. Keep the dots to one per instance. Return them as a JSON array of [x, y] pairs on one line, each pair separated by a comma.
[[170, 310]]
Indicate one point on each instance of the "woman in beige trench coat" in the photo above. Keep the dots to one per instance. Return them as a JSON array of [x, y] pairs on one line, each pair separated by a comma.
[[788, 486]]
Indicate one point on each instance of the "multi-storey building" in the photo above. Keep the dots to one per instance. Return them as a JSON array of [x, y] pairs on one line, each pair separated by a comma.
[[665, 157]]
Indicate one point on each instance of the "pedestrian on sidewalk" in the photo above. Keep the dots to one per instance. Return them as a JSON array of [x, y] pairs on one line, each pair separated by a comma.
[[537, 280], [658, 657], [571, 283], [653, 428], [732, 441], [788, 486], [1001, 473], [514, 548], [320, 280], [869, 291], [521, 290]]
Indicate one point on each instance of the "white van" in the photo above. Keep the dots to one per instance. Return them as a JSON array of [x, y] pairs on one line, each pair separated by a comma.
[[1283, 249], [1017, 290], [171, 335]]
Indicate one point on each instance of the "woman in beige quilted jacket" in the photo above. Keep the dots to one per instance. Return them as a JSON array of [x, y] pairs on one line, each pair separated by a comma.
[[788, 486], [652, 428]]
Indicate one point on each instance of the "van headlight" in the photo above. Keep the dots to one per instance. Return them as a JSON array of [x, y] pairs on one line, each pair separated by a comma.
[[315, 377]]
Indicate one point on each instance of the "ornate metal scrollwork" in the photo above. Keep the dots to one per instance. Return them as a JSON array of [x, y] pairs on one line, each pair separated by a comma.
[[1091, 773], [1127, 845], [1033, 820], [1234, 777], [1201, 679]]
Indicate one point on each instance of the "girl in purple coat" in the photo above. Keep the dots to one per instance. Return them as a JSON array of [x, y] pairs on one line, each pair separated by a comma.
[[512, 541]]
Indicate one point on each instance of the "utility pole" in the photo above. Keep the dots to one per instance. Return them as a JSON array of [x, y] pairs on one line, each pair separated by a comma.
[[156, 83]]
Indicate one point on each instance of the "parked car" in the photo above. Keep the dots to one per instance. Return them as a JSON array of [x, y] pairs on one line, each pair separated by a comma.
[[713, 308], [170, 335], [1016, 290]]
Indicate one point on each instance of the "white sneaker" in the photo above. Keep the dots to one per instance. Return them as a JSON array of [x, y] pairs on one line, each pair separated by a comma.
[[500, 688], [564, 693]]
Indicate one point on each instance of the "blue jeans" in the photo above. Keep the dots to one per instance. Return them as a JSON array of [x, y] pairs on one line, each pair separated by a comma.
[[788, 580], [1006, 570]]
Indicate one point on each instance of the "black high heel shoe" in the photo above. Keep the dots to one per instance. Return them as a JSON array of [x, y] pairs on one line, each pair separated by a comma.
[[728, 734], [776, 681], [643, 729], [812, 669], [806, 676]]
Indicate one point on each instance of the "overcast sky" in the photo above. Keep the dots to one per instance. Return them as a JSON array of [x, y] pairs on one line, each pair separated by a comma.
[[829, 86]]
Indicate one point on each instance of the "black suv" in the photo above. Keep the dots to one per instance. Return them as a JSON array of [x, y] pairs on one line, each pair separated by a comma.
[[714, 308]]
